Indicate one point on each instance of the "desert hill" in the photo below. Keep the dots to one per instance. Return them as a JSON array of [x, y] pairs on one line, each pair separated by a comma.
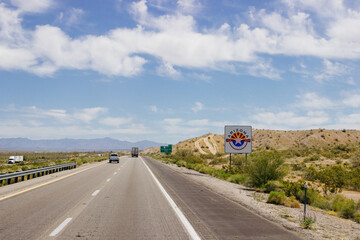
[[272, 139]]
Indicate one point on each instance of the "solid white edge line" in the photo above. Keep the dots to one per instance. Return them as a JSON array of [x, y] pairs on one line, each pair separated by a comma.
[[95, 193], [193, 234], [60, 227]]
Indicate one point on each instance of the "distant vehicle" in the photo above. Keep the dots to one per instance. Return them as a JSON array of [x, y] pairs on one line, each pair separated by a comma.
[[15, 159], [134, 152], [114, 157]]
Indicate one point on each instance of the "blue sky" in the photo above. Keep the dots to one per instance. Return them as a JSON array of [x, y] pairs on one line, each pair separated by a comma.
[[166, 70]]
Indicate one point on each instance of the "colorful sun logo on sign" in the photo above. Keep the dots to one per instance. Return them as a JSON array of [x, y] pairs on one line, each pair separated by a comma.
[[238, 141]]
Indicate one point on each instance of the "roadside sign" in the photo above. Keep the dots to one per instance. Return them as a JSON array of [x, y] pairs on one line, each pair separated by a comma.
[[238, 139], [166, 149]]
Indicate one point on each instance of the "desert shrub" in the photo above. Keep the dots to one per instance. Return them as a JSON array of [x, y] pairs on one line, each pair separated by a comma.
[[265, 166], [181, 163], [24, 168], [355, 160], [291, 202], [308, 222], [292, 188], [298, 166], [271, 186], [334, 178], [277, 198], [345, 206], [237, 178], [357, 216]]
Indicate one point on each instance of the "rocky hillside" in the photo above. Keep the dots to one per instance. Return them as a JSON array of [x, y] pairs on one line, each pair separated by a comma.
[[272, 139]]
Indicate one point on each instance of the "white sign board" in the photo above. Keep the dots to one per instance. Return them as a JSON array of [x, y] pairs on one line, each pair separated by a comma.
[[238, 139]]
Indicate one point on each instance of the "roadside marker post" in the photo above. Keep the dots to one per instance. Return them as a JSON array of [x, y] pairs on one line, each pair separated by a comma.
[[305, 203], [238, 139]]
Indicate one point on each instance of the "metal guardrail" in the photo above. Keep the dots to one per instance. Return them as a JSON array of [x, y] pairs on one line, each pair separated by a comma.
[[36, 172]]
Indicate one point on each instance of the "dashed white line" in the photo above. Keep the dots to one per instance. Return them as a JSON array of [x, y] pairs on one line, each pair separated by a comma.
[[95, 193], [108, 180], [115, 173], [190, 229], [60, 227]]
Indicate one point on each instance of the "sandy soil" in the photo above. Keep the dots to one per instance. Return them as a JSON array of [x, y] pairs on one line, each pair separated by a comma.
[[326, 227]]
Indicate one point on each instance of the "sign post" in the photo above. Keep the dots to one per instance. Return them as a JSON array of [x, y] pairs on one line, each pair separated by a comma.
[[238, 139]]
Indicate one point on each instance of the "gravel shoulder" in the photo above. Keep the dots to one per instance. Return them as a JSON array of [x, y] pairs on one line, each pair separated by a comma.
[[326, 226]]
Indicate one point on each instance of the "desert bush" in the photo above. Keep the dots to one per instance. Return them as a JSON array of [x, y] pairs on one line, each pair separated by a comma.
[[264, 167], [345, 206], [277, 198], [355, 160], [291, 202], [357, 216], [308, 222], [312, 158], [271, 186], [334, 178], [237, 178]]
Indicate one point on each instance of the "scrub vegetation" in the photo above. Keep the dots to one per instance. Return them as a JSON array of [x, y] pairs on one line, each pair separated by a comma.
[[328, 165]]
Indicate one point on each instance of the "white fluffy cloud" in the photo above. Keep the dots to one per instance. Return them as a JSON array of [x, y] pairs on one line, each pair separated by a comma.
[[38, 123], [33, 6], [312, 100], [290, 120], [332, 70], [177, 41]]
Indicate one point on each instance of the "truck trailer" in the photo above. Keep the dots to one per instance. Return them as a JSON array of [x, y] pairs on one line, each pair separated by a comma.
[[15, 159], [134, 152]]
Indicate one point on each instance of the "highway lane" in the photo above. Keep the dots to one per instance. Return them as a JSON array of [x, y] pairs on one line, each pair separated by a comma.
[[111, 201], [123, 201], [131, 206]]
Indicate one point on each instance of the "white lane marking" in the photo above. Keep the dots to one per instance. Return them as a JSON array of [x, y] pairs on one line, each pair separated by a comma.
[[108, 180], [60, 227], [115, 173], [95, 193], [193, 234]]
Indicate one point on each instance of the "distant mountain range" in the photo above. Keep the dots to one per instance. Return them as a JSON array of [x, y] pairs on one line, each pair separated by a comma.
[[68, 145]]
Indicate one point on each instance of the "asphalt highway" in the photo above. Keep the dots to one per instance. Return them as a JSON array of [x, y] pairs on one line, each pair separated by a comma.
[[139, 198]]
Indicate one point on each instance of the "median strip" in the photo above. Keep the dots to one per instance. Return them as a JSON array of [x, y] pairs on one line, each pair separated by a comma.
[[190, 229]]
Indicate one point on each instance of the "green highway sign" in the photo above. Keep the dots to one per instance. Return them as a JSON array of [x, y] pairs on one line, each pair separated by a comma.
[[166, 149]]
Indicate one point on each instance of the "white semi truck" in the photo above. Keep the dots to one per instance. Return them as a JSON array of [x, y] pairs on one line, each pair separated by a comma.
[[15, 159]]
